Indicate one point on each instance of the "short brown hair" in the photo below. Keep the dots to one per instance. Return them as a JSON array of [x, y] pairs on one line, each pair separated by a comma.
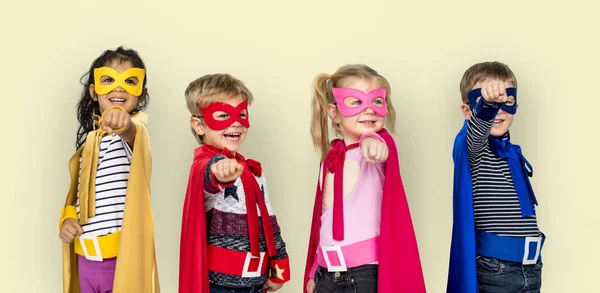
[[482, 71], [212, 88]]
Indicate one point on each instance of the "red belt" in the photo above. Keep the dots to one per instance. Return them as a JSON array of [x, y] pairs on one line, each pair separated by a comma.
[[237, 263]]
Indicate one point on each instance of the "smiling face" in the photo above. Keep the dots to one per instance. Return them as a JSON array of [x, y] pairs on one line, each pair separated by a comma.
[[118, 96], [503, 119], [221, 136], [367, 121]]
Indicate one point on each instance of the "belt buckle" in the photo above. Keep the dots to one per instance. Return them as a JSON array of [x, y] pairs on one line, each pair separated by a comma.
[[338, 250], [255, 274], [98, 256], [529, 240]]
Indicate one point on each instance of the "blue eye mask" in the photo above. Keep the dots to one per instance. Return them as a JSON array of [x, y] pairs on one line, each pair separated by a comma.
[[511, 91]]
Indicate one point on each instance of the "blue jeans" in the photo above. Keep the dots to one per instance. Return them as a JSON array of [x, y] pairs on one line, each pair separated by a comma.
[[219, 289], [499, 276], [361, 279]]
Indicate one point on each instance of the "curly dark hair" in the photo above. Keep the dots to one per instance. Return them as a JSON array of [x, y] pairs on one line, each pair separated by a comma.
[[87, 107]]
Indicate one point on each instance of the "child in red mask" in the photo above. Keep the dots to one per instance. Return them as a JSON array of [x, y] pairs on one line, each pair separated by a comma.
[[230, 239]]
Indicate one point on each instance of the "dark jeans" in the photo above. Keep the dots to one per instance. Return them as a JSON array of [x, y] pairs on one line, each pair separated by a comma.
[[219, 289], [361, 279], [498, 276]]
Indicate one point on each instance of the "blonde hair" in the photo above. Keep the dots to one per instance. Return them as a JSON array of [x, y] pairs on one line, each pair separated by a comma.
[[322, 96], [482, 71], [212, 88]]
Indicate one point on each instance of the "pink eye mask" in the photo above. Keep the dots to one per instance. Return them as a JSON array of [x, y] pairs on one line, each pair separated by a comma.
[[341, 94]]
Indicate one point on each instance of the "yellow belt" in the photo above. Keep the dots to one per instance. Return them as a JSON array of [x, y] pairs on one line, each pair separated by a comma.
[[98, 248]]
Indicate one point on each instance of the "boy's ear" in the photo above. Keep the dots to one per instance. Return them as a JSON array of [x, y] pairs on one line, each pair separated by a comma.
[[466, 111], [197, 125], [333, 113]]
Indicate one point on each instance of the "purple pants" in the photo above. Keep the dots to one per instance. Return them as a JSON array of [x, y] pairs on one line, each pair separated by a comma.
[[96, 277]]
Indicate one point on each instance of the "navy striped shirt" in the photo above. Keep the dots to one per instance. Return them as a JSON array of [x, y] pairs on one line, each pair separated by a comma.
[[111, 186], [495, 200]]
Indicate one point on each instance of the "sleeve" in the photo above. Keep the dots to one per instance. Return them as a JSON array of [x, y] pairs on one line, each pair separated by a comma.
[[370, 134], [127, 148], [279, 264], [67, 212], [479, 127]]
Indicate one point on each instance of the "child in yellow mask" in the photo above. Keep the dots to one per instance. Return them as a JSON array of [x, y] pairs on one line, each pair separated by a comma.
[[106, 223]]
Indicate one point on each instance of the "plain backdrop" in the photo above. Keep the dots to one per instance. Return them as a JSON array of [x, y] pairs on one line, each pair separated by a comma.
[[277, 48]]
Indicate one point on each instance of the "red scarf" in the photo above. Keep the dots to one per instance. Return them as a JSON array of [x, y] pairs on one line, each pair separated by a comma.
[[334, 163], [399, 269]]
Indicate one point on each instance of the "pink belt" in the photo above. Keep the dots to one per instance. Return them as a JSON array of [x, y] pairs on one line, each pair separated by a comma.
[[340, 258]]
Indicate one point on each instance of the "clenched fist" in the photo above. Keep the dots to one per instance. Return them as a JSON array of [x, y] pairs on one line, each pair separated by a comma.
[[69, 230], [373, 150], [115, 120], [227, 170], [494, 92]]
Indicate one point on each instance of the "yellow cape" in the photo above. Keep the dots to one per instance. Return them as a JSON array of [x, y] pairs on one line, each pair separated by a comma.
[[136, 270]]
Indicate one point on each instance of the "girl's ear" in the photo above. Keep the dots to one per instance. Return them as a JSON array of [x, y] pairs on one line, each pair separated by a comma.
[[93, 92], [144, 95], [333, 113]]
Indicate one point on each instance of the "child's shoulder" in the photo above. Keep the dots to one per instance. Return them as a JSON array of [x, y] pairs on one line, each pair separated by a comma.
[[204, 155]]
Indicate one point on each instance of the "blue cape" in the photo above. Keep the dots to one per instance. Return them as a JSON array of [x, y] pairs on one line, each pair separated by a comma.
[[462, 275]]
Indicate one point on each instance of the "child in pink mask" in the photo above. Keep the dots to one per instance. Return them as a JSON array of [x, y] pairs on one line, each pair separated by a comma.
[[362, 238], [230, 239]]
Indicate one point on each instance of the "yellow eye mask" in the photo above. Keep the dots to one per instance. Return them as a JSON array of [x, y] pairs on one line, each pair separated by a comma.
[[116, 79]]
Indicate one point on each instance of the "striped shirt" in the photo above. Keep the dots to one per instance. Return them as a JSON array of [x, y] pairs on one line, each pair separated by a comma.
[[111, 186], [495, 200], [227, 225]]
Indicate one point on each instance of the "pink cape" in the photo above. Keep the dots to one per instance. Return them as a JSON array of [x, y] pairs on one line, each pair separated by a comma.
[[400, 268]]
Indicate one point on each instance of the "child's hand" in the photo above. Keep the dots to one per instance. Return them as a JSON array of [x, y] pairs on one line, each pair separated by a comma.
[[69, 230], [494, 92], [310, 287], [271, 286], [227, 170], [374, 150], [116, 121]]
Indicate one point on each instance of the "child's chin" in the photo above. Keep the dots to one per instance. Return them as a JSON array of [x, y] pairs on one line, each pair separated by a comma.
[[372, 128], [234, 146], [500, 131]]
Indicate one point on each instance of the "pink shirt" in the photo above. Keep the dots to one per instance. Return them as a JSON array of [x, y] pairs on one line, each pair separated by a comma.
[[363, 192]]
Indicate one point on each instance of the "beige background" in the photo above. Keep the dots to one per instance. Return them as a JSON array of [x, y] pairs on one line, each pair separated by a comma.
[[277, 48]]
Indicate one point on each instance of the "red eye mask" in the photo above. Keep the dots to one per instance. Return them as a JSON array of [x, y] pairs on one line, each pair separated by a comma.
[[235, 114]]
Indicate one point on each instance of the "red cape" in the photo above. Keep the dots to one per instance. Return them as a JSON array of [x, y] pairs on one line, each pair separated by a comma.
[[193, 266], [399, 263]]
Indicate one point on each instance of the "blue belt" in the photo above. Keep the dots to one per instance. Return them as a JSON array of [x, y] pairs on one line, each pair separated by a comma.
[[525, 250]]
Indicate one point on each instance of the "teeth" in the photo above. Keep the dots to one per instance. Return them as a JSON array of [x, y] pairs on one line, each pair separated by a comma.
[[232, 136], [117, 100]]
